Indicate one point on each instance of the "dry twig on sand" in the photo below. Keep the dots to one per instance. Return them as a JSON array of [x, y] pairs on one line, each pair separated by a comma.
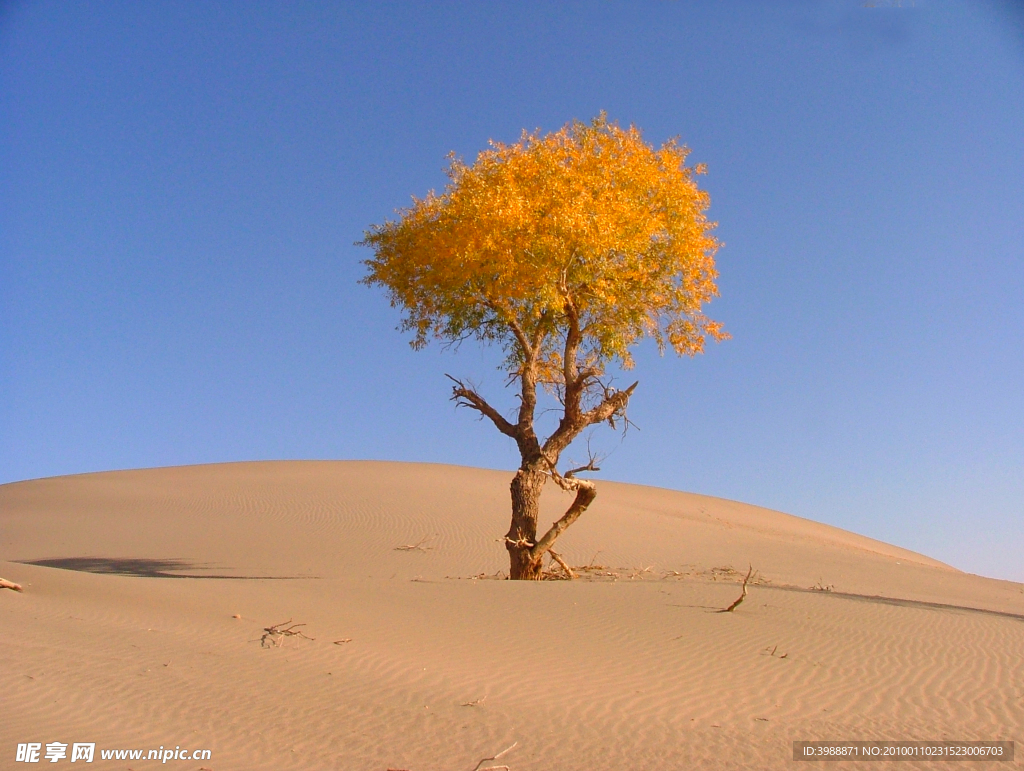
[[495, 757], [5, 584], [772, 652], [743, 593], [420, 545], [277, 632]]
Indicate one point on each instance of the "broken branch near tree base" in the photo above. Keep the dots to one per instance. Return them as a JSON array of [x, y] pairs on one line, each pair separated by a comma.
[[558, 558], [5, 584], [743, 594]]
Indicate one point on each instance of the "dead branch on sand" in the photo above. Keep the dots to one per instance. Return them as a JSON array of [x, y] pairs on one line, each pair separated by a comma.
[[495, 757], [5, 584], [418, 546], [558, 558], [742, 596], [482, 760], [277, 632]]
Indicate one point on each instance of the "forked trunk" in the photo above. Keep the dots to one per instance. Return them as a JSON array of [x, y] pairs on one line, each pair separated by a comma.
[[522, 535]]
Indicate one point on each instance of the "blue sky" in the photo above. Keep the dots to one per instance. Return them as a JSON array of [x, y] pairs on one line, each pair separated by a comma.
[[181, 185]]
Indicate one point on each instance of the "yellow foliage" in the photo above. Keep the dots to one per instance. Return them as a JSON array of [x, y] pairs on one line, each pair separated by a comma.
[[588, 226]]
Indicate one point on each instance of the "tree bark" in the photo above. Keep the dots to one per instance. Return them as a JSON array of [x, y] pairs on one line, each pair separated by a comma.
[[526, 488]]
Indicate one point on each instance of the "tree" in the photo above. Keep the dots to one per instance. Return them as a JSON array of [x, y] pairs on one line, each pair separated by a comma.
[[565, 250]]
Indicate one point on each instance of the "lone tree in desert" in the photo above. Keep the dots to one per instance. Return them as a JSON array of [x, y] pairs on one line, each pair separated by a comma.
[[565, 250]]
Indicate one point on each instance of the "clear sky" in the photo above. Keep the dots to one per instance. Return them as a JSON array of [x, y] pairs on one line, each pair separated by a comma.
[[181, 185]]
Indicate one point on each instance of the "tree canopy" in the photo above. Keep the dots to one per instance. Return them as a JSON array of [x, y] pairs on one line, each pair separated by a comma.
[[588, 220]]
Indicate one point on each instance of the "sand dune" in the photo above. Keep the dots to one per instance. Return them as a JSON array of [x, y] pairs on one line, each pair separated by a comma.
[[125, 634]]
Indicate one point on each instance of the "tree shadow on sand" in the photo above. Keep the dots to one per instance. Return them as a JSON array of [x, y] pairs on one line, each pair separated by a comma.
[[140, 568]]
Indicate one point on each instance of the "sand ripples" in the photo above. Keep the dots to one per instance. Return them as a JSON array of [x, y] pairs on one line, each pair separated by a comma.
[[439, 672]]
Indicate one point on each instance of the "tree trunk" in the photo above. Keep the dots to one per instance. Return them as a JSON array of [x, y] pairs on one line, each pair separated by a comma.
[[522, 535]]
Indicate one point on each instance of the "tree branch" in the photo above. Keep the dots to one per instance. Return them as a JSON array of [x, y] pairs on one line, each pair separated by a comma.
[[586, 491], [584, 375], [467, 397], [562, 563], [528, 400], [495, 757], [589, 467], [540, 331], [507, 318], [743, 594], [613, 404], [572, 347], [5, 584], [524, 436]]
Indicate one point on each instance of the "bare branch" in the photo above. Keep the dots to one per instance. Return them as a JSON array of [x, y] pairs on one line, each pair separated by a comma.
[[592, 460], [277, 632], [558, 558], [589, 467], [568, 484], [586, 491], [519, 543], [613, 405], [742, 596], [467, 397], [457, 341], [495, 757], [5, 584]]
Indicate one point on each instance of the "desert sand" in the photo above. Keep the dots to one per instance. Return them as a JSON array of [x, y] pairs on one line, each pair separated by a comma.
[[141, 620]]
